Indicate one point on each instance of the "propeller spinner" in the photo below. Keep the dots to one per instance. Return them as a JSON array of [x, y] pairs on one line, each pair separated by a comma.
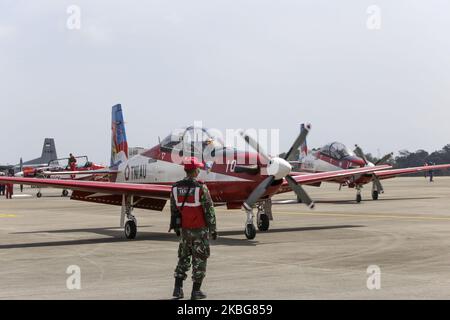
[[277, 169]]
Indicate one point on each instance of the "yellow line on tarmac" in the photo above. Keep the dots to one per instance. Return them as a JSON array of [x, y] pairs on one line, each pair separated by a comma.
[[362, 215], [3, 215]]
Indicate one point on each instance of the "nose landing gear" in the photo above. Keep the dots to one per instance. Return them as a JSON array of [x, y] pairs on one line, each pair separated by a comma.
[[264, 216], [250, 230], [377, 188], [358, 194], [375, 194]]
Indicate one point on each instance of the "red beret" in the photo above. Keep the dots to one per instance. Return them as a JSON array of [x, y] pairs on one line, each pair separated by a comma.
[[191, 163]]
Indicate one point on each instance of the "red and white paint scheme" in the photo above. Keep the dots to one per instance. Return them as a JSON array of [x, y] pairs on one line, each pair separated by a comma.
[[55, 170], [235, 178], [85, 170], [336, 156]]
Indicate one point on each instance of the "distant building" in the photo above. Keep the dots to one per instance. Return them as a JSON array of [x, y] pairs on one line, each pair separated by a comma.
[[132, 151]]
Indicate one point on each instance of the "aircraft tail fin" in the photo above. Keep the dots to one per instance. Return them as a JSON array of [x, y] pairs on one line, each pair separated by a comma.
[[304, 146], [119, 144], [49, 150], [48, 154]]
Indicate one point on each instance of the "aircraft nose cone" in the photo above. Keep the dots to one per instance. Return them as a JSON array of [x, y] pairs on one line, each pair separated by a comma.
[[279, 168]]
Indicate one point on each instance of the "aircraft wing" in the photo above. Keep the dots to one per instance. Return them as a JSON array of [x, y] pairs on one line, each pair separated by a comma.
[[60, 173], [336, 175], [386, 174], [157, 191]]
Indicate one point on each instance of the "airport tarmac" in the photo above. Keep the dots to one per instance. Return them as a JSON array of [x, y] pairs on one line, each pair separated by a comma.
[[318, 254]]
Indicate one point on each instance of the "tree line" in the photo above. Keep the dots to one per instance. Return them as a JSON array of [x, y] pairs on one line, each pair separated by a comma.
[[418, 158]]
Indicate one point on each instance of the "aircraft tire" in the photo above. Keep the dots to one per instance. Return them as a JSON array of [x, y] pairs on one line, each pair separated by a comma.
[[264, 222], [130, 229], [375, 195], [250, 231], [358, 198], [38, 194], [65, 193]]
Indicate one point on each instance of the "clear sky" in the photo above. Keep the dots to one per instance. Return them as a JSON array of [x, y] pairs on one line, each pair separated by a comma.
[[232, 64]]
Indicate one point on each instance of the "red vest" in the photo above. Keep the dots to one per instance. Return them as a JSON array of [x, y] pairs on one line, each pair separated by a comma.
[[192, 215]]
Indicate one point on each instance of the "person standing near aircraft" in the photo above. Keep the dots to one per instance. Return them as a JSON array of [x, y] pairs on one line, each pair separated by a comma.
[[430, 173], [10, 188], [72, 164], [2, 185], [2, 189], [193, 218]]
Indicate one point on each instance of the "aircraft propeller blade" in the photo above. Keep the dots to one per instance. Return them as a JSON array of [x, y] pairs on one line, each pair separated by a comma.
[[297, 143], [21, 170], [384, 159], [358, 151], [258, 192], [255, 145], [300, 192]]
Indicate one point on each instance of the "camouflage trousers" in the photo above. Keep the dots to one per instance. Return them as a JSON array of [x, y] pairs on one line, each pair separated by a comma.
[[194, 243]]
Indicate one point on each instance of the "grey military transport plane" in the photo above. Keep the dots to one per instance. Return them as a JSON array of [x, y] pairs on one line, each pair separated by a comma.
[[48, 154]]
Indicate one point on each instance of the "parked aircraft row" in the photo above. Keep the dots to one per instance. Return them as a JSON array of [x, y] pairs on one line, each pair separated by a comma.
[[48, 165], [236, 178]]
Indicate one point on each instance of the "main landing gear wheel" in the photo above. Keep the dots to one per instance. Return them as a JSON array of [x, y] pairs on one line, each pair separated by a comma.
[[130, 229], [358, 198], [375, 195], [38, 194], [263, 223], [250, 231], [65, 193]]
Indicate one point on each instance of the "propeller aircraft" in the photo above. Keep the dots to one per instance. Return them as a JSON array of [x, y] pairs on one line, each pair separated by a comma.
[[336, 156], [236, 178]]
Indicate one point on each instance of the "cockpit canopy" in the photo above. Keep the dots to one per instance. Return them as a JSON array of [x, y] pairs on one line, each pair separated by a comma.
[[193, 139], [337, 151]]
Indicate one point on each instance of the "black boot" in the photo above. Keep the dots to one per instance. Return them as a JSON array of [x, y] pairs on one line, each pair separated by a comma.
[[197, 294], [178, 289]]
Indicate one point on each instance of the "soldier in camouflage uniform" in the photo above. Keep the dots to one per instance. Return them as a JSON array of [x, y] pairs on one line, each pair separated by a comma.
[[193, 217]]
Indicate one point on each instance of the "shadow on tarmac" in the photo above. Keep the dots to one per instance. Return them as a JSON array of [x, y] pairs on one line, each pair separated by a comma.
[[294, 201], [116, 235]]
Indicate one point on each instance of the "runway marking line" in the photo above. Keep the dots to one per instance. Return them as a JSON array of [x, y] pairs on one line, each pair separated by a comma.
[[4, 215]]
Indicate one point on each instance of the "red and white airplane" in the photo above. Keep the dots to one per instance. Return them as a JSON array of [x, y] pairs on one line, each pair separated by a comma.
[[336, 156], [55, 168], [85, 170], [234, 177]]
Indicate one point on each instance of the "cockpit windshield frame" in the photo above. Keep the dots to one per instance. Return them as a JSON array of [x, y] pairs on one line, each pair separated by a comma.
[[336, 150], [192, 140]]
